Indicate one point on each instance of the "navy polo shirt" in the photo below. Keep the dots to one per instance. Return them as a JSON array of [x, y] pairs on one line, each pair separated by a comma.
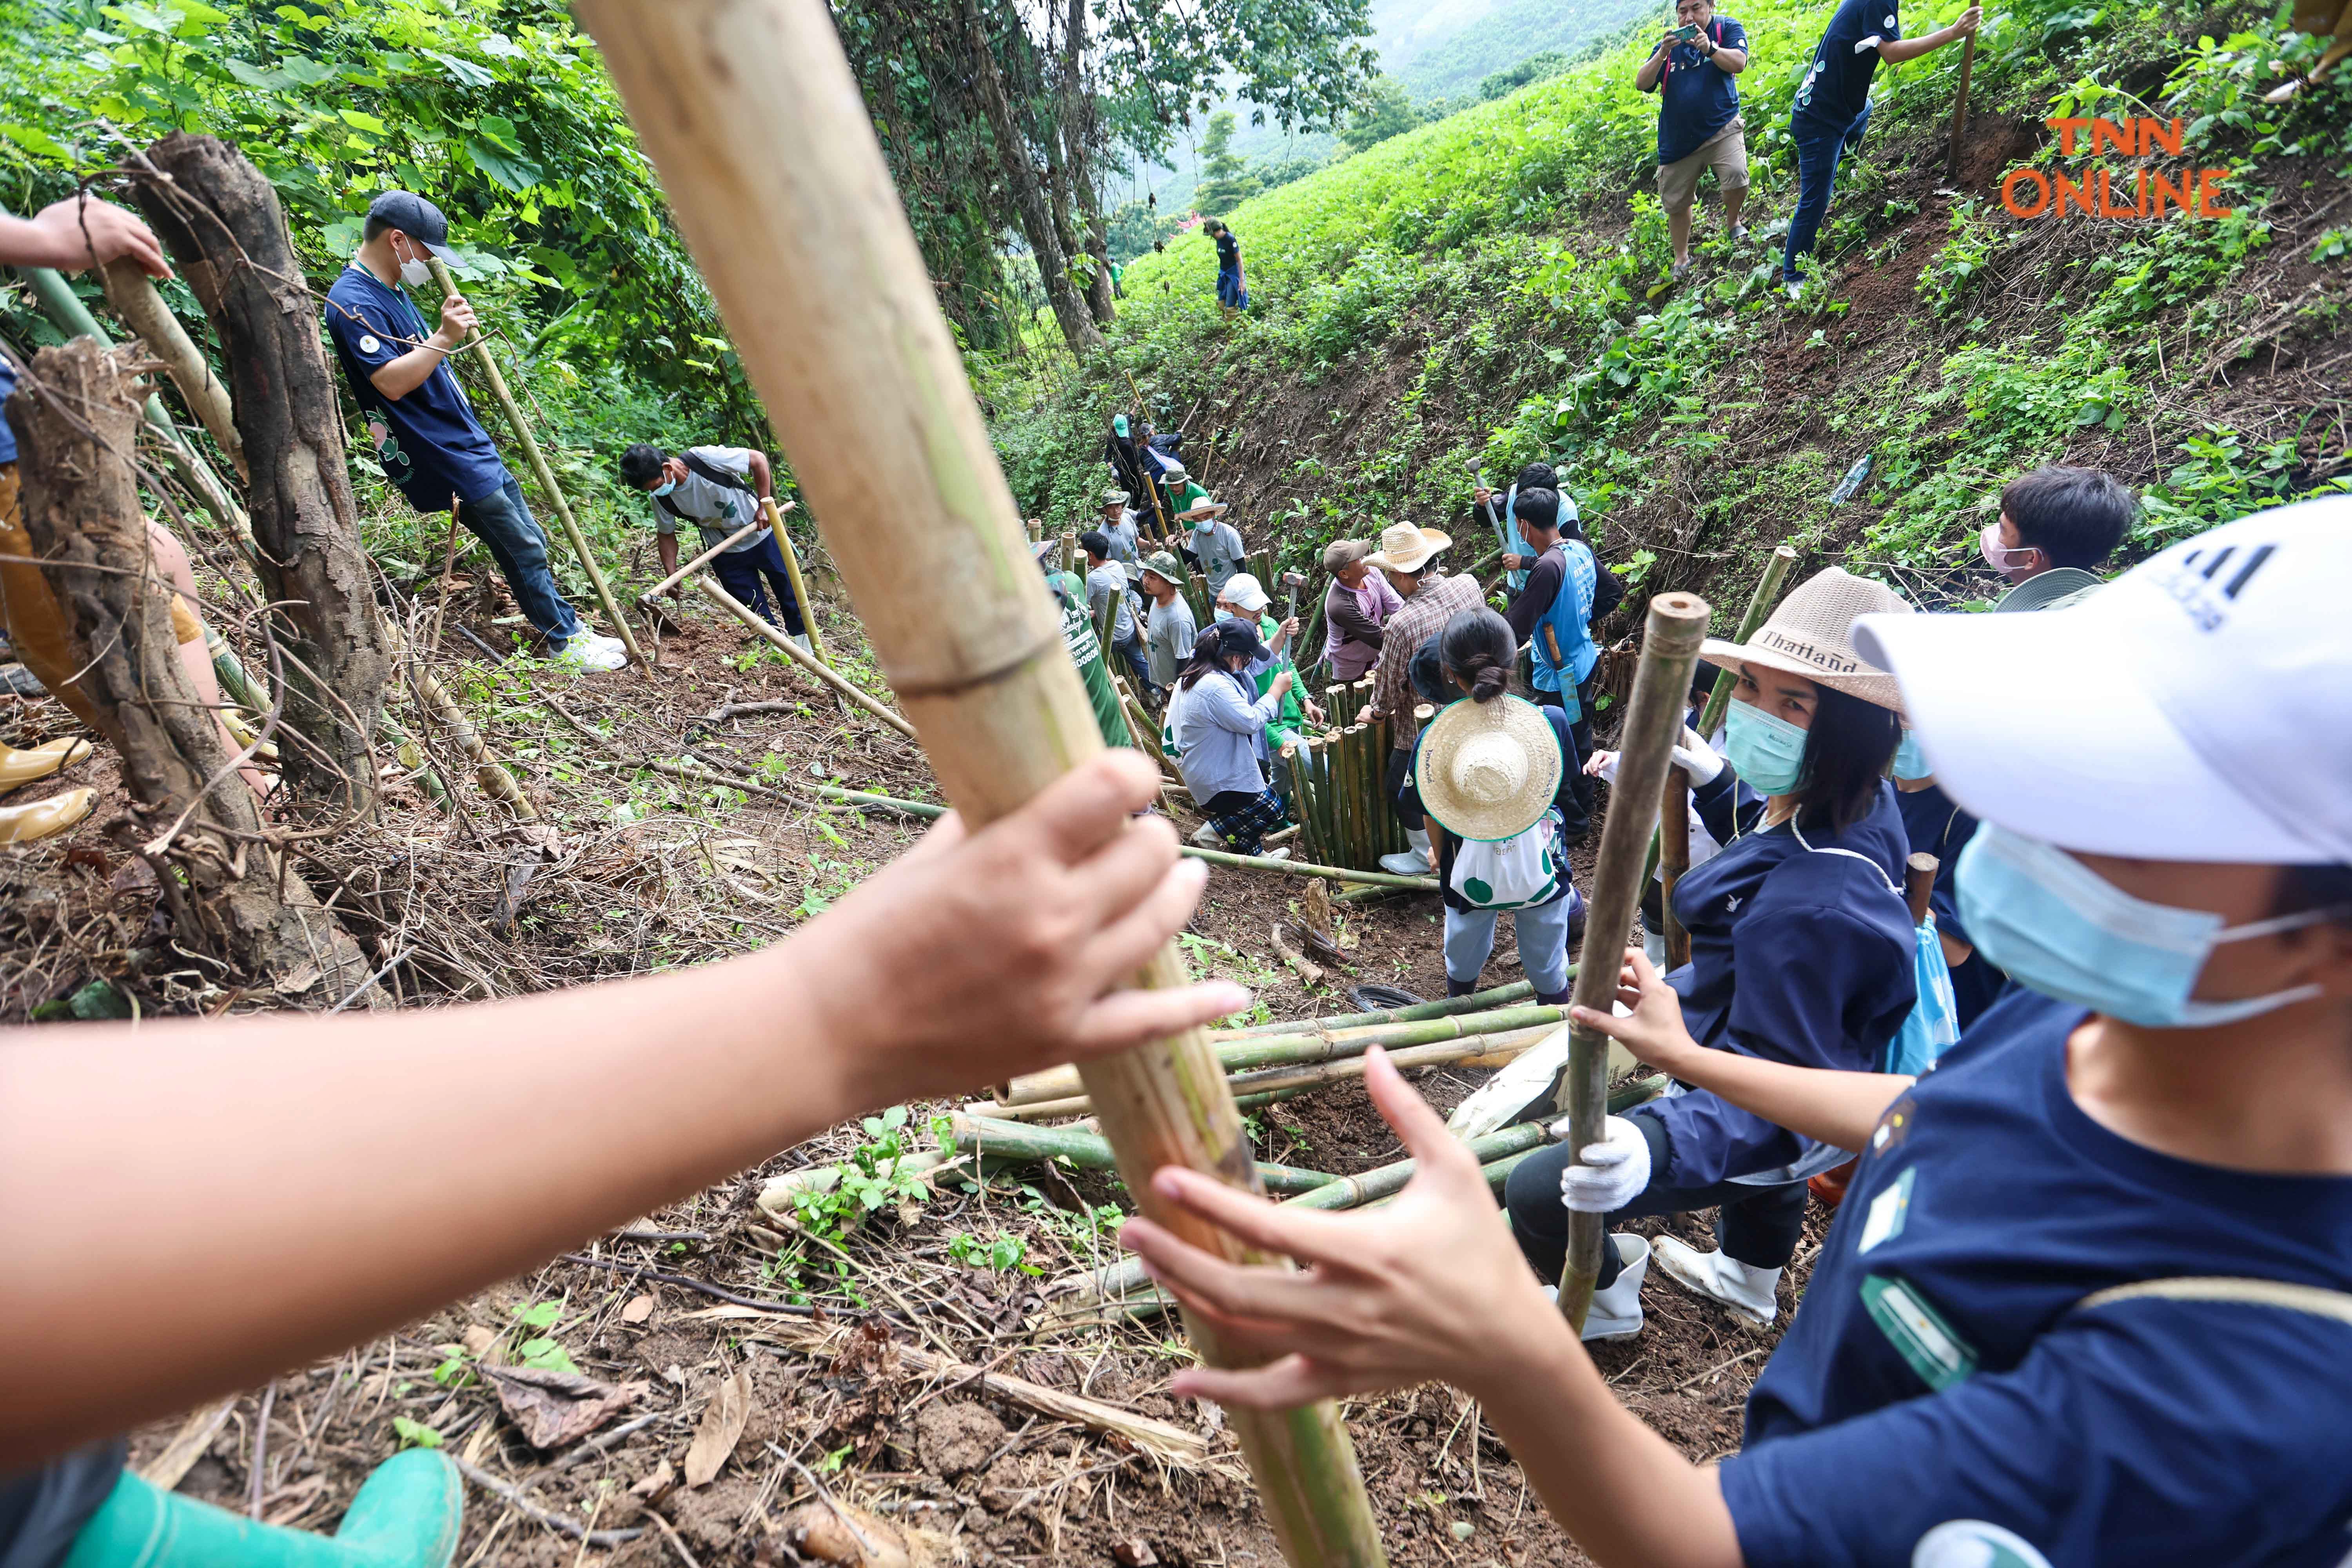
[[429, 442], [1696, 98], [1937, 1377], [1836, 88]]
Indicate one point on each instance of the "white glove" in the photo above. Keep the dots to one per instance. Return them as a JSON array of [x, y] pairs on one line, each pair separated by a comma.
[[1696, 758], [1614, 1172]]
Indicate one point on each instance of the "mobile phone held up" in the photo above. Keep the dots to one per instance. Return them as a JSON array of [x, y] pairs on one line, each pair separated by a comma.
[[1684, 34]]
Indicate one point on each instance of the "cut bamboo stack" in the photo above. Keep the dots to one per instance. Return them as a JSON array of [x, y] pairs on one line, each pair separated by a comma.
[[776, 180], [1340, 784]]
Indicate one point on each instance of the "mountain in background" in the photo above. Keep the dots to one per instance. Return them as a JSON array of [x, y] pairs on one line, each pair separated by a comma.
[[1435, 49]]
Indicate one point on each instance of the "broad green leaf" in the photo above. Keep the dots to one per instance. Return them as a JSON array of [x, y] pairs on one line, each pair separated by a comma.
[[415, 1434], [361, 120], [33, 139]]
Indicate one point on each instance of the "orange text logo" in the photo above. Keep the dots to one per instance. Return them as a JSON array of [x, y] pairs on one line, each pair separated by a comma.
[[2101, 190]]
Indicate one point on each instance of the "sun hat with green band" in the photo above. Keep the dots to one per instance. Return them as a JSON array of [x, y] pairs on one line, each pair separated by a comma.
[[1489, 770]]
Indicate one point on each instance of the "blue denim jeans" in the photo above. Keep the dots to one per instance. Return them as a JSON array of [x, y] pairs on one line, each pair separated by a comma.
[[740, 571], [1818, 149], [503, 522]]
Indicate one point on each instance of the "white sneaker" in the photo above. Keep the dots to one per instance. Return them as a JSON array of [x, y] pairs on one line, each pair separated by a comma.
[[589, 654], [1746, 1289], [598, 639], [1739, 234], [799, 640], [1208, 837]]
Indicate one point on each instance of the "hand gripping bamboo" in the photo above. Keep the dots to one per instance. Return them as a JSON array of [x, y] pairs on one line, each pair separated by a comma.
[[496, 380], [1654, 718], [776, 180]]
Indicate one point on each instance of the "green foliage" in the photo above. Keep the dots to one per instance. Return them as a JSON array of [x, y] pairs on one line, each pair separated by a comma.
[[873, 1177], [415, 1434], [1226, 178], [1384, 112], [1003, 1252]]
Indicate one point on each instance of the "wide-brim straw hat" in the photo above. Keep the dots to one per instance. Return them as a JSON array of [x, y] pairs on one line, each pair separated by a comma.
[[1489, 770], [1407, 548], [1810, 632]]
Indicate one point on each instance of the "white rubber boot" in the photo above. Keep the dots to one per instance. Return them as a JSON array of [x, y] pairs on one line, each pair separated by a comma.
[[799, 640], [1616, 1312], [1653, 948], [1208, 837], [1746, 1289], [1412, 862]]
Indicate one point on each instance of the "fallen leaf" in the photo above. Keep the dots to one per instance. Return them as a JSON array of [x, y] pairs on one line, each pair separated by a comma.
[[721, 1427], [653, 1485], [550, 1408], [480, 1340], [304, 976], [639, 1308], [1133, 1553]]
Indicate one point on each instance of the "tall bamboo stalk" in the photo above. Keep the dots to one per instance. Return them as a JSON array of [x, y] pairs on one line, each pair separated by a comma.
[[774, 176], [496, 380], [800, 582], [1654, 718], [1671, 848]]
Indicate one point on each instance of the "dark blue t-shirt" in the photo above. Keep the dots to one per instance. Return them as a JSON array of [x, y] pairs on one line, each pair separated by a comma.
[[1837, 84], [7, 431], [429, 442], [1934, 1374], [1696, 98]]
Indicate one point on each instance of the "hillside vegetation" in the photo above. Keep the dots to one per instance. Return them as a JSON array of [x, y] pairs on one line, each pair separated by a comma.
[[1492, 289]]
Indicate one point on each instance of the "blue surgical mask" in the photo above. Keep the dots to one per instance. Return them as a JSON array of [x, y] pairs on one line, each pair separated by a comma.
[[663, 489], [1768, 753], [1224, 615], [1910, 762], [2062, 929]]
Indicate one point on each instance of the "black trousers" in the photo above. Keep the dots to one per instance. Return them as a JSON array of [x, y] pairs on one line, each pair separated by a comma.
[[1580, 729], [1400, 773], [1756, 1226]]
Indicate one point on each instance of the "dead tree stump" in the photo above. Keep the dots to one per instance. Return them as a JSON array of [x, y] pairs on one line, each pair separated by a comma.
[[221, 221], [75, 416]]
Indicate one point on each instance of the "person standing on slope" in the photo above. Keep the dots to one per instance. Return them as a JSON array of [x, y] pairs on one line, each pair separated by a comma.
[[1233, 294], [1692, 71]]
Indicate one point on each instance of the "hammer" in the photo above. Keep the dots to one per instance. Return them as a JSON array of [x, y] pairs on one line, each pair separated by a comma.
[[1294, 581]]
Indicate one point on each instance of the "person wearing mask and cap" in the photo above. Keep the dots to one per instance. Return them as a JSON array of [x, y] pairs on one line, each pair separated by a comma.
[[1494, 777], [1214, 544], [1801, 951], [1243, 599], [2057, 526], [1169, 628], [1085, 648], [1218, 719], [1499, 509], [1118, 522], [2089, 1299], [1355, 608], [427, 440], [1408, 559]]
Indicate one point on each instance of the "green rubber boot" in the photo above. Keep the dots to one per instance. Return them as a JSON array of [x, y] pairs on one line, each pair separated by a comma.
[[406, 1516]]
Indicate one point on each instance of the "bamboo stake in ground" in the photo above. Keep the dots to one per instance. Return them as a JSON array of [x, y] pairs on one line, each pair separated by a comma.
[[1960, 109], [495, 378], [1670, 849], [1654, 718], [792, 650], [776, 180], [793, 572]]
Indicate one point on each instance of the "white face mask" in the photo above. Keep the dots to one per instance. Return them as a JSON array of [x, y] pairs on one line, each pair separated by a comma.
[[412, 270]]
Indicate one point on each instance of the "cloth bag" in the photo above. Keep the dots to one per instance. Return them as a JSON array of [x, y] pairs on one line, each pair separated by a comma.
[[1515, 873]]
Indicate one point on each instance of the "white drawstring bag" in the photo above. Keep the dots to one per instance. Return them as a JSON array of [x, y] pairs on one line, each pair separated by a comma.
[[1515, 873]]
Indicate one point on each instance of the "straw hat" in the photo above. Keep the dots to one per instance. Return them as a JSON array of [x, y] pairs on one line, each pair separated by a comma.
[[1405, 548], [1489, 770], [1812, 633]]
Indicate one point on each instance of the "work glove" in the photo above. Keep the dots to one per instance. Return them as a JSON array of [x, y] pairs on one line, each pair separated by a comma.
[[1696, 758], [1614, 1173]]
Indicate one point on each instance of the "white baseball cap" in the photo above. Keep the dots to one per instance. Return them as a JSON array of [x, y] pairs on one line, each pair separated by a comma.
[[1242, 588], [2199, 708]]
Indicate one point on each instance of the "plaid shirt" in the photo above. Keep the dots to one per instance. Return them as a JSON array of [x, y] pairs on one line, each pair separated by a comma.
[[1438, 601]]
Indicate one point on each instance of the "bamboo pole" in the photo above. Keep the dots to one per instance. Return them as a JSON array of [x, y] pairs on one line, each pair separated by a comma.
[[999, 1139], [1308, 869], [496, 781], [1960, 109], [1282, 1083], [692, 567], [133, 294], [1476, 1001], [1654, 718], [1316, 1045], [496, 380], [1670, 847], [777, 183], [793, 572], [1918, 885], [1294, 762], [1343, 750], [1318, 769], [793, 651]]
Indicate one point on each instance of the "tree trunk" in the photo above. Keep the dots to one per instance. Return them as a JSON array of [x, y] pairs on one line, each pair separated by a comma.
[[1077, 124], [222, 223], [74, 420], [1028, 193]]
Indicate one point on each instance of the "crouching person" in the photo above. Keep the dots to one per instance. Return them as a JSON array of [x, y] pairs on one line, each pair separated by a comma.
[[721, 490]]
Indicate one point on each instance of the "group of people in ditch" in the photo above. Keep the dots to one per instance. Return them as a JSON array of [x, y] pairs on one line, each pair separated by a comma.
[[2087, 1297]]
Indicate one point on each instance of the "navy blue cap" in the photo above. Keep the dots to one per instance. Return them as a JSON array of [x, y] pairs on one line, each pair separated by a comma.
[[415, 217]]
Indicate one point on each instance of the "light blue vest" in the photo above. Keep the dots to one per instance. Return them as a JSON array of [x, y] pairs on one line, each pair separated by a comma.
[[1568, 625]]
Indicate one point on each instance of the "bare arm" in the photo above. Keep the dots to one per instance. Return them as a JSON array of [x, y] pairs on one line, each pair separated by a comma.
[[1653, 70], [1835, 1107], [1902, 49], [665, 546], [79, 231], [189, 1208], [763, 475], [1730, 62], [397, 378], [1431, 1287]]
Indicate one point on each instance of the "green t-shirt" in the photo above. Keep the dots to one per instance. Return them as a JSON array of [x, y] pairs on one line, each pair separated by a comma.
[[1086, 652], [1290, 720]]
